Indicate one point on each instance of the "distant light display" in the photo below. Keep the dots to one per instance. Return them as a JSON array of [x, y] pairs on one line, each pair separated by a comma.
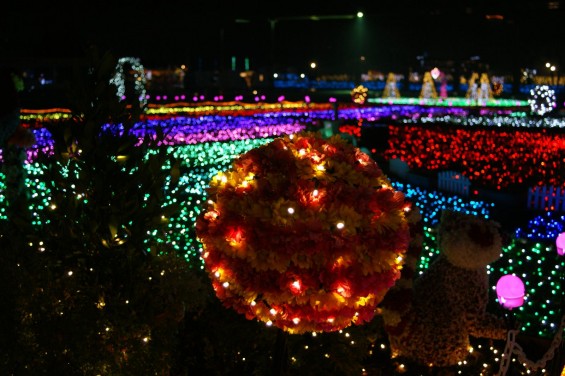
[[121, 77], [428, 90], [531, 255], [449, 102], [516, 120], [542, 100], [359, 94]]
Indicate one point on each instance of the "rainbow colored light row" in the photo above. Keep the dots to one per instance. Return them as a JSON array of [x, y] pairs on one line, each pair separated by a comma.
[[450, 102]]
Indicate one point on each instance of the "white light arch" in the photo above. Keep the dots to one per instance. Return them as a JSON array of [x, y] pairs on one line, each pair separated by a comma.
[[119, 79]]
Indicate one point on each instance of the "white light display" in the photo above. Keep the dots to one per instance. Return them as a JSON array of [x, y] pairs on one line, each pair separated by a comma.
[[119, 79], [542, 100]]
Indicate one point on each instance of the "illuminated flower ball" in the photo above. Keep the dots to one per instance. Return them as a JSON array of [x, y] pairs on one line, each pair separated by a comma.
[[359, 94], [542, 100], [304, 233]]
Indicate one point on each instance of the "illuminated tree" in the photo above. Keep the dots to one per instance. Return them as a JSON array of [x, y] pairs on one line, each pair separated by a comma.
[[391, 88], [428, 90], [484, 91], [134, 92], [100, 290], [472, 91]]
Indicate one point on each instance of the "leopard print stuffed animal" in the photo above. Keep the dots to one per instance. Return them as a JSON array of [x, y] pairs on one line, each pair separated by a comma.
[[430, 319]]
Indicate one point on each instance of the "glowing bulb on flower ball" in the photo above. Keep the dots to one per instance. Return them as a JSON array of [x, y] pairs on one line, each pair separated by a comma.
[[510, 291], [560, 244]]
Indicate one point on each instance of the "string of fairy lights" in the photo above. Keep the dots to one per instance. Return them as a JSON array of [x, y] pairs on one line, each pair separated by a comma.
[[497, 121], [530, 255], [304, 110]]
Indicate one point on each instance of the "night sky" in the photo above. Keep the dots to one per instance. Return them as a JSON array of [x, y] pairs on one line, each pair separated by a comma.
[[205, 35]]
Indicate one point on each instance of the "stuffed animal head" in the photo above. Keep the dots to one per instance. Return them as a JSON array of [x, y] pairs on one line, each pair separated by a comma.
[[468, 241]]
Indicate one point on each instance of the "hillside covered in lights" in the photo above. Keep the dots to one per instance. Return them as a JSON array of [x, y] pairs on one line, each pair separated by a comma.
[[206, 139]]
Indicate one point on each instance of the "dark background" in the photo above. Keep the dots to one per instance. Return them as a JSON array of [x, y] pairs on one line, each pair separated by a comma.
[[503, 34]]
